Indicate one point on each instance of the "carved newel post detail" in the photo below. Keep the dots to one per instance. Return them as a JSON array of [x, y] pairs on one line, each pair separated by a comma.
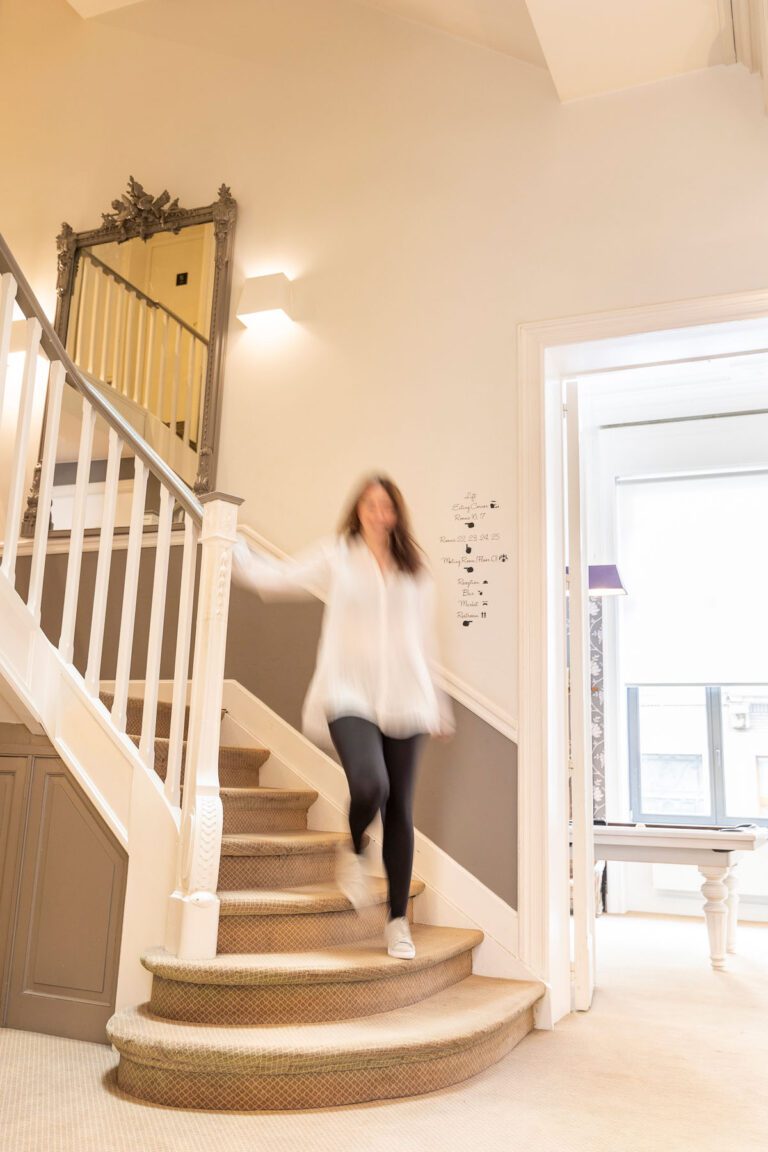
[[194, 907]]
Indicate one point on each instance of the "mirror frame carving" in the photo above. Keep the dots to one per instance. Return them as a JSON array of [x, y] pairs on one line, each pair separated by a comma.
[[138, 213]]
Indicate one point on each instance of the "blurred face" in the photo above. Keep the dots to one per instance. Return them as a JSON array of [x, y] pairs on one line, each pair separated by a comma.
[[376, 512]]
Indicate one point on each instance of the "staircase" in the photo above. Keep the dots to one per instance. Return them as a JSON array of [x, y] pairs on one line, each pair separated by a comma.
[[301, 1007], [271, 992]]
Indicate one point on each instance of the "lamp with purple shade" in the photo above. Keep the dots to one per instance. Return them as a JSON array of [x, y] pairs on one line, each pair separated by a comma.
[[604, 580]]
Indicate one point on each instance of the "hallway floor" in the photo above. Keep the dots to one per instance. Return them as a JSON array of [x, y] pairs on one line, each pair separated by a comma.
[[672, 1056]]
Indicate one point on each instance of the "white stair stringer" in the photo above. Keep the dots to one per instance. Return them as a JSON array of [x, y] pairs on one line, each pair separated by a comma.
[[106, 765]]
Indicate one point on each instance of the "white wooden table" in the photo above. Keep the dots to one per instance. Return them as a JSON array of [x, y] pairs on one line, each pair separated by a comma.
[[714, 851]]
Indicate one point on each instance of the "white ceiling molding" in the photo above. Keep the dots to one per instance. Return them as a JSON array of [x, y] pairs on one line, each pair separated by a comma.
[[750, 32], [89, 8], [598, 46]]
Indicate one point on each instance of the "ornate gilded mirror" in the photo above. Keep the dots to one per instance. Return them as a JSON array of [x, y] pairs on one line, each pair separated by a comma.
[[142, 309]]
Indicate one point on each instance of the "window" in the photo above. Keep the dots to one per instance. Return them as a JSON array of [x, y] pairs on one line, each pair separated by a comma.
[[698, 754]]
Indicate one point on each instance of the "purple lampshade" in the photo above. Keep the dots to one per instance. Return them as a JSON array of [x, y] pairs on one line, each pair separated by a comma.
[[604, 580]]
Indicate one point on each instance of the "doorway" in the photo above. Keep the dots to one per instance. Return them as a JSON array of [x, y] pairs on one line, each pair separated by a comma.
[[549, 353]]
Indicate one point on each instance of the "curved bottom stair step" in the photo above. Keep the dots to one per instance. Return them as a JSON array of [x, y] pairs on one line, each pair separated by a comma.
[[440, 1041], [308, 987]]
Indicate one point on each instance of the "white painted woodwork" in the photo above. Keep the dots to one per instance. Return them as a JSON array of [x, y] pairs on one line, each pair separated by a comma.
[[732, 902], [76, 348], [194, 907], [56, 380], [162, 368], [548, 352], [138, 368], [103, 565], [579, 709], [117, 339], [181, 667], [72, 588], [155, 643], [189, 388], [7, 299], [106, 326], [16, 493], [128, 345], [715, 894], [176, 373], [130, 588], [147, 375]]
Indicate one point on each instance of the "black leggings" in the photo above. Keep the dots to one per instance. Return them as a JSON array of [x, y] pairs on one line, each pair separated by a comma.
[[381, 772]]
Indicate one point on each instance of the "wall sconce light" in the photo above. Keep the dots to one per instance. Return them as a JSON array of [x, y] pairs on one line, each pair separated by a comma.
[[262, 295]]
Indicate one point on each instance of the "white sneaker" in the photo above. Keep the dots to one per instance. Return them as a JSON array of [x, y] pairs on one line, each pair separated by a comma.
[[399, 941], [351, 877]]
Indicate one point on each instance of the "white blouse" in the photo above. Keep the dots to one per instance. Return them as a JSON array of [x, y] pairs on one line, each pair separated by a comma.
[[376, 642]]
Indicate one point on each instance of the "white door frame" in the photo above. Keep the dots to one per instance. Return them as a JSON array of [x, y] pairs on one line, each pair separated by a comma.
[[543, 890]]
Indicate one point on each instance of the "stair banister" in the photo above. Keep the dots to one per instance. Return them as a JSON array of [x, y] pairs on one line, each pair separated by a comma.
[[194, 910], [193, 919]]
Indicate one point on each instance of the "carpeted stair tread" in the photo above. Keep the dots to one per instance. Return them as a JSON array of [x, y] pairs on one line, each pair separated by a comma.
[[305, 899], [346, 963], [281, 843], [451, 1021], [260, 797]]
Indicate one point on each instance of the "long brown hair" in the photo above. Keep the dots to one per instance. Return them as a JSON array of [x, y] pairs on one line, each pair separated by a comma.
[[406, 553]]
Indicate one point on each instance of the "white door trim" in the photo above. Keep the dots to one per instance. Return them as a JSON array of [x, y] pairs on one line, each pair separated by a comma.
[[543, 898]]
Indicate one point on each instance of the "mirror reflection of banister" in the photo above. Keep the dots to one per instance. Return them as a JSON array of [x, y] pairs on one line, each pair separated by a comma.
[[139, 347]]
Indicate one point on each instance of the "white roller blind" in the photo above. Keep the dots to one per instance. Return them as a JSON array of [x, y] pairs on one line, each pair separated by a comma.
[[693, 556]]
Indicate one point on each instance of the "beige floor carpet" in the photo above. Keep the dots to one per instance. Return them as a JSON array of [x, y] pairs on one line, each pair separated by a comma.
[[673, 1057]]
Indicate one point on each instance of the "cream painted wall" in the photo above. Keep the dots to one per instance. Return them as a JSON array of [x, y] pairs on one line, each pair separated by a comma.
[[428, 196]]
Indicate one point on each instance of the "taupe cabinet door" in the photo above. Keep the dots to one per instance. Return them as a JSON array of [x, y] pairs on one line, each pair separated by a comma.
[[62, 888]]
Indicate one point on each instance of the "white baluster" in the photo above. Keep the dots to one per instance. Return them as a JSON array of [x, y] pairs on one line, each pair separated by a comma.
[[93, 309], [117, 347], [7, 298], [141, 308], [16, 492], [130, 309], [106, 328], [155, 643], [160, 413], [194, 911], [188, 389], [181, 667], [43, 514], [147, 377], [175, 384], [130, 588], [82, 484], [103, 565]]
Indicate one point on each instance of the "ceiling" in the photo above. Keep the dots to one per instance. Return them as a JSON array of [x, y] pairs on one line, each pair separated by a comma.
[[589, 47]]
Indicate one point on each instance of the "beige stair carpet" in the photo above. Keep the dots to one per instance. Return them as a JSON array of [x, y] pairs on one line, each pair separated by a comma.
[[302, 1007]]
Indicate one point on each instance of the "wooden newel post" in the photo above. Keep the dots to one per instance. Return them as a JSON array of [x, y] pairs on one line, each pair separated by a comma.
[[193, 920]]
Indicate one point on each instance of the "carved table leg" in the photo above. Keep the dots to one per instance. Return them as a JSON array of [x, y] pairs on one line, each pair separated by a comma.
[[715, 893], [732, 884]]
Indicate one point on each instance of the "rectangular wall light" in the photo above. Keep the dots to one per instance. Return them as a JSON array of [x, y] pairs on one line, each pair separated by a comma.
[[263, 294]]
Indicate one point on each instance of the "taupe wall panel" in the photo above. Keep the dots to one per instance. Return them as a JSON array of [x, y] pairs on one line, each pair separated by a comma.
[[66, 937], [466, 800], [13, 777]]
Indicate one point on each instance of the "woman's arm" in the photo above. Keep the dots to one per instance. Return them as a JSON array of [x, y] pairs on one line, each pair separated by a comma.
[[308, 575]]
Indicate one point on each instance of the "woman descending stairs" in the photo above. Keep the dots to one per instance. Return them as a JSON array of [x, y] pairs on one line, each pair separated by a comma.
[[302, 1007]]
